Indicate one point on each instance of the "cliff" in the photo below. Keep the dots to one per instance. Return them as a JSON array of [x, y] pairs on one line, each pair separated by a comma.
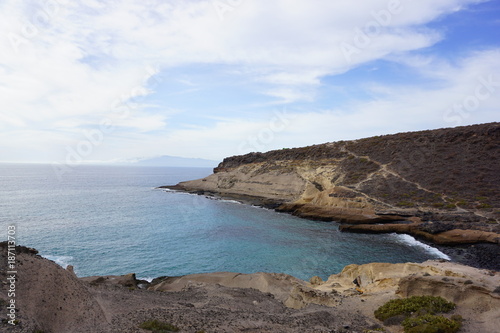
[[49, 298], [440, 185]]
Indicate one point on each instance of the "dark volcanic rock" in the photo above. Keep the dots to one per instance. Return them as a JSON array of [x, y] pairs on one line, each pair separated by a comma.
[[436, 227]]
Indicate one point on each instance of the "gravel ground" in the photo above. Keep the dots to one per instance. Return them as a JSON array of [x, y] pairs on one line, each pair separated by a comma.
[[485, 256]]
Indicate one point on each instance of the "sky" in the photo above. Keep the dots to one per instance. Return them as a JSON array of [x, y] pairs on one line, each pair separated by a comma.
[[108, 81]]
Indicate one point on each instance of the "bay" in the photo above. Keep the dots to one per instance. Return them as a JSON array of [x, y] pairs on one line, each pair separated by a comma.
[[112, 220]]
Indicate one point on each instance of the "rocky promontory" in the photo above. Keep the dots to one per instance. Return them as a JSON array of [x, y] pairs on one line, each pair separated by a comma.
[[51, 299], [437, 185]]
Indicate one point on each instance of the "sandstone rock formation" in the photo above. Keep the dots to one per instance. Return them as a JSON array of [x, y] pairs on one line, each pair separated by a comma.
[[475, 292], [128, 280], [429, 182], [292, 292]]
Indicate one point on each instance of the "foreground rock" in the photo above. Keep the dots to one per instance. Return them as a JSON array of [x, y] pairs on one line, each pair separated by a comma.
[[52, 299], [423, 183], [290, 291], [48, 297]]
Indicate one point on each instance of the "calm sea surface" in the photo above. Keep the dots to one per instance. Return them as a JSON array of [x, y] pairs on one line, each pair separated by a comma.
[[108, 220]]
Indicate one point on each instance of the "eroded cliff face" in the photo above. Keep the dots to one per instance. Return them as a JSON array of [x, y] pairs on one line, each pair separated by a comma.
[[266, 180], [442, 179]]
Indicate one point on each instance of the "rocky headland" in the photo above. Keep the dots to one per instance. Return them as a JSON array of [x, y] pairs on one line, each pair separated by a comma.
[[51, 299], [440, 186]]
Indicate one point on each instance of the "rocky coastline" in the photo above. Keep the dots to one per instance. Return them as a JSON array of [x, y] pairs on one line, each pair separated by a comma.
[[440, 186], [52, 299]]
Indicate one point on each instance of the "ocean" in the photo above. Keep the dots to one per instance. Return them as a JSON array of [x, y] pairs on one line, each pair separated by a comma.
[[112, 220]]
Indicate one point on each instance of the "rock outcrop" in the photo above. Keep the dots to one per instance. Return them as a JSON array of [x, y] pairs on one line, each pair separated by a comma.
[[292, 292], [49, 298], [423, 183], [472, 290]]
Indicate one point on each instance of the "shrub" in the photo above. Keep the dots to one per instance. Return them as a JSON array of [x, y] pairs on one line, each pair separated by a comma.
[[431, 324], [414, 304], [394, 320], [483, 206], [158, 327], [405, 204]]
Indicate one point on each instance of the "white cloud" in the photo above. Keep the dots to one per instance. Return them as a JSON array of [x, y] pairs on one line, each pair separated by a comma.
[[67, 65], [398, 109]]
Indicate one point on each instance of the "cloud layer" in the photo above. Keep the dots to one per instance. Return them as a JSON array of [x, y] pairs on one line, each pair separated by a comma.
[[70, 68]]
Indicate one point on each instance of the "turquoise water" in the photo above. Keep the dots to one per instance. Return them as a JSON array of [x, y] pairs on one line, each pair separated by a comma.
[[107, 220]]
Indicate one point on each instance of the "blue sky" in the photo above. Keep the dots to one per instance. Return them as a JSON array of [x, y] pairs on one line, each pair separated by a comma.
[[102, 81]]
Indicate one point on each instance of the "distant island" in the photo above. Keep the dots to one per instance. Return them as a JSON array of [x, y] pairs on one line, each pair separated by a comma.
[[173, 161], [438, 185]]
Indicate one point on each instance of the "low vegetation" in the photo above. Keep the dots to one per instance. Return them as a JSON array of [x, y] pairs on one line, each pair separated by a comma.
[[418, 314], [414, 304], [432, 324]]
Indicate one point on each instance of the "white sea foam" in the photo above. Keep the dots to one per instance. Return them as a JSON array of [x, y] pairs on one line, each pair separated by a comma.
[[179, 192], [230, 201], [411, 241], [261, 207], [62, 261], [205, 196], [149, 279], [221, 199]]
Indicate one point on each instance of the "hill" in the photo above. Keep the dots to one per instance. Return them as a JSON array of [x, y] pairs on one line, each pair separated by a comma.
[[435, 184]]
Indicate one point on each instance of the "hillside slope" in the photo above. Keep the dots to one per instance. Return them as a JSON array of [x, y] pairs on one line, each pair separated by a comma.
[[435, 182]]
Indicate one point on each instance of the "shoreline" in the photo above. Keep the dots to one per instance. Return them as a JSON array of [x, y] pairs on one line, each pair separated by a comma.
[[481, 255]]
